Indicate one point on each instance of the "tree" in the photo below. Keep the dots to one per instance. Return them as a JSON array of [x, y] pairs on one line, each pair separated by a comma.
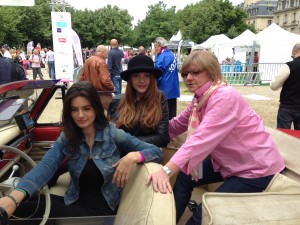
[[8, 24], [35, 23], [197, 22], [102, 25], [159, 22], [22, 24], [210, 17]]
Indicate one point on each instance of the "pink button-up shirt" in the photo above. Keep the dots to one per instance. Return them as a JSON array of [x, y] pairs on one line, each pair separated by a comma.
[[231, 133]]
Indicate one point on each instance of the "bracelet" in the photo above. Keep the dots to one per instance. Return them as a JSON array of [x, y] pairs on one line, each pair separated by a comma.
[[167, 170], [142, 159], [24, 192], [14, 200]]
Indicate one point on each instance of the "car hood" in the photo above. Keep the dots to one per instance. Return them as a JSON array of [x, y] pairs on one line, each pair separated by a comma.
[[26, 85]]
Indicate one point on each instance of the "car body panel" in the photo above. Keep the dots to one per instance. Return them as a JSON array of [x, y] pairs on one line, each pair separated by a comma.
[[31, 97]]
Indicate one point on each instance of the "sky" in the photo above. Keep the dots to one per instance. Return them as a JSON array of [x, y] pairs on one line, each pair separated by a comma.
[[136, 8]]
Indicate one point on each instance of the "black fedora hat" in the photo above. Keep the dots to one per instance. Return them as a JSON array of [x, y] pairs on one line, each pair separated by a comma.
[[140, 63]]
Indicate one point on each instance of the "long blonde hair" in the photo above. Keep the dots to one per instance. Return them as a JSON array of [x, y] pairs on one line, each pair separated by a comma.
[[205, 61], [147, 111]]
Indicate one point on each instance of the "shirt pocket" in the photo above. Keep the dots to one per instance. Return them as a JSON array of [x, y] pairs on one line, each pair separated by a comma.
[[110, 154], [73, 161]]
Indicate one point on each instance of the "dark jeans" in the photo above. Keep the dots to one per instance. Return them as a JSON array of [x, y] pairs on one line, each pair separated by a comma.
[[172, 105], [116, 79], [37, 71], [35, 207], [51, 70], [184, 186], [286, 117]]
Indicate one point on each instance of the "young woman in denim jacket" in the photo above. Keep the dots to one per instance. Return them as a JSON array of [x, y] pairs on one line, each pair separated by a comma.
[[93, 147], [143, 110]]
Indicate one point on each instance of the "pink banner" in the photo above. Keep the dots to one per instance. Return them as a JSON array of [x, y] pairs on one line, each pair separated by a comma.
[[77, 51]]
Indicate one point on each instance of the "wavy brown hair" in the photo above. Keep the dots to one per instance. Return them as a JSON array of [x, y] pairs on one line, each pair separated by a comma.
[[87, 90], [146, 111]]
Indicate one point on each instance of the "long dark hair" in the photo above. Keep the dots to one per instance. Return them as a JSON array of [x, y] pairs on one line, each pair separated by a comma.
[[87, 90]]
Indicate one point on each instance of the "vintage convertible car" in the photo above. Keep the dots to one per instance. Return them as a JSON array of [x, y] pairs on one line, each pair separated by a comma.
[[30, 122]]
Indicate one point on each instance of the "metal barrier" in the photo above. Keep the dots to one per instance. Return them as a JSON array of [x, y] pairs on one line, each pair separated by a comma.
[[243, 78], [238, 75]]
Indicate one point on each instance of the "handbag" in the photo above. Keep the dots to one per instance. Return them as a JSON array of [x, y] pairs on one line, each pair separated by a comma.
[[42, 64], [25, 62]]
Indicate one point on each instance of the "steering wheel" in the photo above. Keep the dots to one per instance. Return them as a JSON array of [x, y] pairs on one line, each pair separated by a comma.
[[9, 187]]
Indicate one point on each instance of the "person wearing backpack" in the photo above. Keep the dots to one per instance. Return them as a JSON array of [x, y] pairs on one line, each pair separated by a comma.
[[5, 70], [36, 60]]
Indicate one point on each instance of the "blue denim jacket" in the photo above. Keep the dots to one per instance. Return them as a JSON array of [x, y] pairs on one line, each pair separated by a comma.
[[109, 144]]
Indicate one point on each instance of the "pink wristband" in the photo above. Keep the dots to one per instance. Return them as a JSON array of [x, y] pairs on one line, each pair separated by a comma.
[[142, 159]]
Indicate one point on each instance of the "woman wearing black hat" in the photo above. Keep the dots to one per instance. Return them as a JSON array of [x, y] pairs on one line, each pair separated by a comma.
[[142, 110]]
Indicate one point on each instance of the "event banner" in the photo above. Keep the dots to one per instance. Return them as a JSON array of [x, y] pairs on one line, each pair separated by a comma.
[[77, 51], [30, 47], [62, 45]]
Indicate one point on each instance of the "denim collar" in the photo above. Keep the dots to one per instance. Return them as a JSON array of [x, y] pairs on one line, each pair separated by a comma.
[[101, 133]]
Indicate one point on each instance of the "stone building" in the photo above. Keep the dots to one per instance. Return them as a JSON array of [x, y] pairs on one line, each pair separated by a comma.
[[262, 13], [287, 15]]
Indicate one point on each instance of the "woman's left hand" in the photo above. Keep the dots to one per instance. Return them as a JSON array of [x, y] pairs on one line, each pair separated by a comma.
[[123, 168]]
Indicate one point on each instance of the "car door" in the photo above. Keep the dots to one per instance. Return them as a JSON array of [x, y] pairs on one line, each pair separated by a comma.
[[47, 113]]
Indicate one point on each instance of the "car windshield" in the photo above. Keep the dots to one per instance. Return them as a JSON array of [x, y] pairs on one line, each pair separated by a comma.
[[19, 97]]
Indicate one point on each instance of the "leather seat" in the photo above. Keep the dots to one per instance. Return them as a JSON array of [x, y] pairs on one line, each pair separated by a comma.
[[273, 207], [140, 204]]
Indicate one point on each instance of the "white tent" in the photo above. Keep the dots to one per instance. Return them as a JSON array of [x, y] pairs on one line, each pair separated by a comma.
[[220, 44], [247, 35], [177, 37], [242, 44], [276, 44], [214, 40]]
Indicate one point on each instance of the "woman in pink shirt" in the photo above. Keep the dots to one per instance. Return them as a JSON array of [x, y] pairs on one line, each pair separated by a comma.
[[226, 140]]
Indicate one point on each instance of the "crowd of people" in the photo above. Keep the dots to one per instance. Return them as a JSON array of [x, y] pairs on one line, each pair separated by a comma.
[[35, 60], [225, 139]]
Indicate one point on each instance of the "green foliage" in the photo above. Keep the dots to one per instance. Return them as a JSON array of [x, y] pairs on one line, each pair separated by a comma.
[[197, 22], [23, 24], [159, 22], [102, 25], [210, 17], [9, 21]]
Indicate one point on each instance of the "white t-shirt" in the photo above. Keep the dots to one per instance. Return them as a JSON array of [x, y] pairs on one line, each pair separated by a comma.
[[35, 61], [7, 54]]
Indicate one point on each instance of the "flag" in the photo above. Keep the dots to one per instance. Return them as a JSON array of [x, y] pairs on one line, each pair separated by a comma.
[[29, 47], [77, 51]]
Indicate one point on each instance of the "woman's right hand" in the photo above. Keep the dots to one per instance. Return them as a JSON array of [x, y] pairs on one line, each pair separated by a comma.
[[8, 205], [123, 168]]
